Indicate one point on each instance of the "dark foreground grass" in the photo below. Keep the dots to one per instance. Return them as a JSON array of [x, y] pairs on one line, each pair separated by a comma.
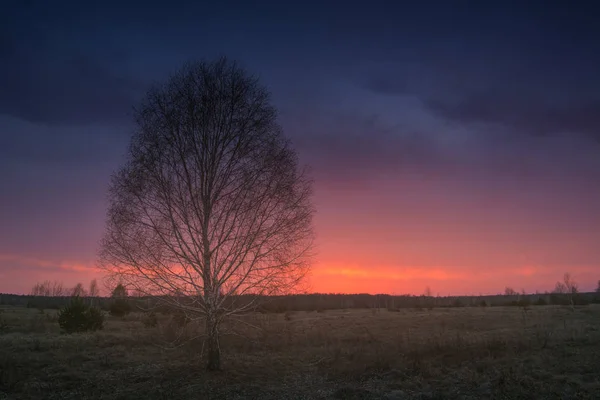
[[462, 353]]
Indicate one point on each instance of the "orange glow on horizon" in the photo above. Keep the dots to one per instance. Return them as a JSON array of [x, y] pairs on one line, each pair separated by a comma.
[[333, 278], [19, 273]]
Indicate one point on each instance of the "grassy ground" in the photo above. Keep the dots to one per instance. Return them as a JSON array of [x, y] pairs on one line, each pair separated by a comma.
[[456, 353]]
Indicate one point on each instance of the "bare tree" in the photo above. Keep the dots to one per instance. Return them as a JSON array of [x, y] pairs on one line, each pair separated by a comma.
[[569, 287], [41, 289], [211, 204], [78, 291], [119, 291], [94, 290], [47, 288], [560, 288], [508, 291], [572, 288], [58, 289], [598, 288], [570, 284]]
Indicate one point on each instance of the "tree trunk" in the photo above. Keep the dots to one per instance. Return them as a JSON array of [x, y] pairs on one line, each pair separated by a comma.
[[212, 334]]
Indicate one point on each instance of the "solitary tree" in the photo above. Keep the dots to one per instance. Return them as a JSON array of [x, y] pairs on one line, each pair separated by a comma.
[[598, 288], [94, 290], [78, 291], [211, 204], [119, 291], [560, 288], [48, 288], [119, 306], [569, 287]]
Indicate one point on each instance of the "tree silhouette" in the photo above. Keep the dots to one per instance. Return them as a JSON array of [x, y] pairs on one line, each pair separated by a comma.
[[119, 291], [211, 201], [78, 291], [48, 288], [94, 291]]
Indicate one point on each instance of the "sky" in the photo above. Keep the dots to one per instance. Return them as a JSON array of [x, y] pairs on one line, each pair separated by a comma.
[[454, 145]]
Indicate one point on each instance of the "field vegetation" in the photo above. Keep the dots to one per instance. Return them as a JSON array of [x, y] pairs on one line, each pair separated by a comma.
[[384, 352]]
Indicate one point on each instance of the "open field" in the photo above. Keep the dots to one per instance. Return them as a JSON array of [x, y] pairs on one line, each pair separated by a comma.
[[548, 352]]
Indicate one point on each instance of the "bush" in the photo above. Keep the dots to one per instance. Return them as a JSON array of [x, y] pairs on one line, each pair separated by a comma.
[[119, 308], [80, 317]]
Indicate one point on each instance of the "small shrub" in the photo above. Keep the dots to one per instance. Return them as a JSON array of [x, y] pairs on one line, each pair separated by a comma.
[[288, 315], [483, 303], [3, 325], [119, 308], [80, 317], [150, 320]]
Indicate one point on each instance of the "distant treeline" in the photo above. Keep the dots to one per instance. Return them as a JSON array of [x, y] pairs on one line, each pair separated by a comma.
[[321, 302]]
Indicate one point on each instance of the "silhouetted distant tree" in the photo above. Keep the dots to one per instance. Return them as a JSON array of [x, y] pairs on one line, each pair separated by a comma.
[[211, 201], [508, 291], [94, 290], [119, 291], [598, 287], [567, 287], [49, 289], [78, 291], [560, 288], [119, 306]]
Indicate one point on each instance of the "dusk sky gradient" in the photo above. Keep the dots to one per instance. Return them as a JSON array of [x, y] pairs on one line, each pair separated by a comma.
[[454, 144]]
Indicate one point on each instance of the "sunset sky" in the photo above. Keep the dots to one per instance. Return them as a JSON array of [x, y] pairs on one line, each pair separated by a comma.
[[454, 144]]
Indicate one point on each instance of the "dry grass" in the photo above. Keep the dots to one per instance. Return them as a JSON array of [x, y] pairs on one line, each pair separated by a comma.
[[463, 353]]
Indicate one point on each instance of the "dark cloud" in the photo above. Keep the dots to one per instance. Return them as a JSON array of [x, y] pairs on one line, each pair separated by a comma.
[[531, 69], [353, 146], [532, 117], [526, 93], [44, 83]]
